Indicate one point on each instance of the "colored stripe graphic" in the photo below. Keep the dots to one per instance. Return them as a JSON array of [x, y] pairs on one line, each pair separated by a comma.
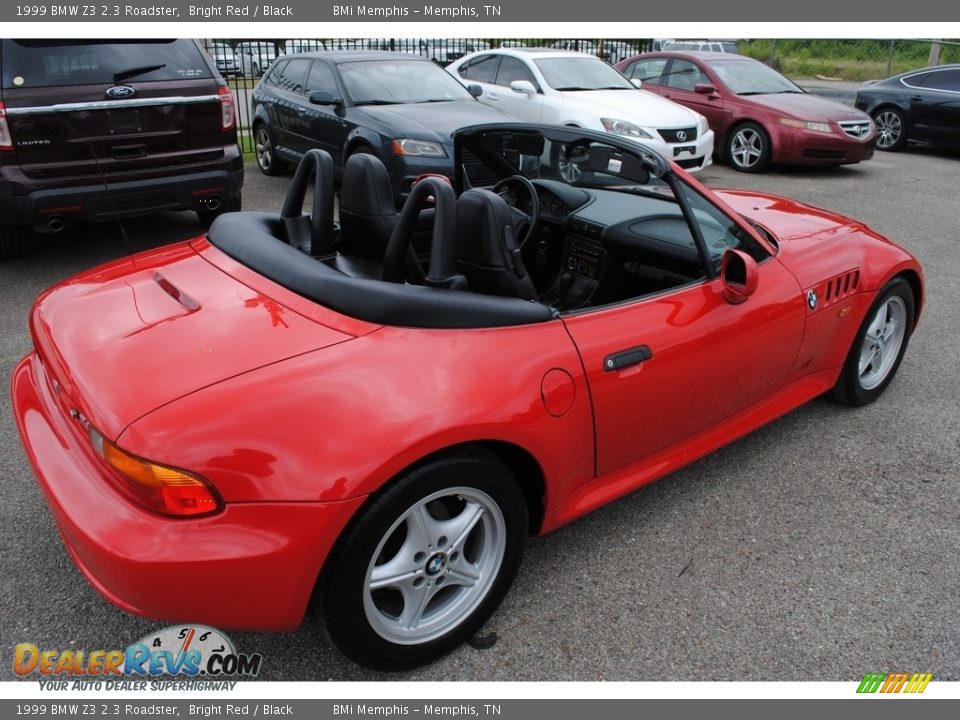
[[894, 683]]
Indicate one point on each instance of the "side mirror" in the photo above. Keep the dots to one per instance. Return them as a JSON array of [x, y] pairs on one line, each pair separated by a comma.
[[524, 87], [475, 90], [739, 275], [324, 97], [705, 89], [637, 82]]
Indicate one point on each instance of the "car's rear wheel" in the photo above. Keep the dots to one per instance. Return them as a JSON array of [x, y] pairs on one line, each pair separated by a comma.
[[426, 562], [878, 347], [267, 159], [748, 148], [14, 241], [891, 129]]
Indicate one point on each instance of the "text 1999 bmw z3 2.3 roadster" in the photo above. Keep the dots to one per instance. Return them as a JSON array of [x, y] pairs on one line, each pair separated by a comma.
[[377, 412]]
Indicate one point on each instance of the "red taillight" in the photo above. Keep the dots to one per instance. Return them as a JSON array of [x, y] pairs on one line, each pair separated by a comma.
[[158, 487], [6, 139], [228, 109]]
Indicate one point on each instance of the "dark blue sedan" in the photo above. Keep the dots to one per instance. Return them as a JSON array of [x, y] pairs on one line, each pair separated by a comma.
[[402, 108]]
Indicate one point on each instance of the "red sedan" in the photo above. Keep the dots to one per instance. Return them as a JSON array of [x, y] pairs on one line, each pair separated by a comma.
[[759, 116], [229, 426]]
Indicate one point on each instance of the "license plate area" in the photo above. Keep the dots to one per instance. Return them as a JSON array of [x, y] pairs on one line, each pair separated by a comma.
[[677, 151], [123, 121]]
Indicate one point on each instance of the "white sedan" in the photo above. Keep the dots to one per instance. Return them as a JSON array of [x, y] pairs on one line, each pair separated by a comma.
[[559, 87]]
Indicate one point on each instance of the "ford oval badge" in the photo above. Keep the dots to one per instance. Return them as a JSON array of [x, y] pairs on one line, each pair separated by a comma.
[[120, 91]]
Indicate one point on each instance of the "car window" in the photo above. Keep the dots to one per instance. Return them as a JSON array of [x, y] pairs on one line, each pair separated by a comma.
[[293, 75], [750, 77], [684, 75], [729, 47], [273, 75], [321, 78], [377, 82], [48, 63], [942, 80], [719, 231], [511, 69], [581, 72], [647, 71], [482, 69]]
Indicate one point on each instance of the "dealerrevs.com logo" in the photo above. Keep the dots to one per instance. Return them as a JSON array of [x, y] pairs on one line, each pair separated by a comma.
[[888, 683], [178, 657]]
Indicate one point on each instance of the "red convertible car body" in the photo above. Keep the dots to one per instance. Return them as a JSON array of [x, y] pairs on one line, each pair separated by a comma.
[[226, 426]]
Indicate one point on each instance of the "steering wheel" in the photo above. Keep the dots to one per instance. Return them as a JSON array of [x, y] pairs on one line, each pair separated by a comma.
[[524, 224]]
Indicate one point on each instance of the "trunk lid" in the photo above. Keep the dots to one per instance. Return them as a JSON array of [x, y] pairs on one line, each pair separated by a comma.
[[77, 108], [127, 338]]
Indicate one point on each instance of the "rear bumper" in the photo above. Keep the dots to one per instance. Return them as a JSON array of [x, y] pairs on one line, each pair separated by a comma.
[[26, 201], [251, 566]]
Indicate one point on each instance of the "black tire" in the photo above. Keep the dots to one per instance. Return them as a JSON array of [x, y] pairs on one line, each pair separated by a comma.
[[264, 149], [748, 148], [361, 621], [234, 204], [891, 128], [14, 242], [858, 386]]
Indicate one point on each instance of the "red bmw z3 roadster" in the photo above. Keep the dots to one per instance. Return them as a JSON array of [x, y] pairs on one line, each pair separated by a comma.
[[376, 412]]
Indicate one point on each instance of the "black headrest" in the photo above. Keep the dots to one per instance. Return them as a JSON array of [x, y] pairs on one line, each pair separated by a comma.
[[483, 218], [365, 188]]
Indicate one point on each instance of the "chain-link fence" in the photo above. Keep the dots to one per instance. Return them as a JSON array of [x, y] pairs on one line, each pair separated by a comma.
[[849, 62]]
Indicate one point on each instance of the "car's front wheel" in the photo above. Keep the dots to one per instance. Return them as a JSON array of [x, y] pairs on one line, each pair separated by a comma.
[[878, 347], [426, 562], [267, 158], [891, 129], [748, 148]]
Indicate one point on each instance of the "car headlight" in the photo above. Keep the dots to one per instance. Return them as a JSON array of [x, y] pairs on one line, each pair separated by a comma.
[[622, 127], [820, 127], [420, 148]]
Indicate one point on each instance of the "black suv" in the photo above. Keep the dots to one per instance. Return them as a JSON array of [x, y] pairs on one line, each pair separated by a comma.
[[93, 129]]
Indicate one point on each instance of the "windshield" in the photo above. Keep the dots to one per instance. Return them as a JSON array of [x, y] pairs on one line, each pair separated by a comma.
[[581, 72], [751, 78], [566, 158], [393, 83]]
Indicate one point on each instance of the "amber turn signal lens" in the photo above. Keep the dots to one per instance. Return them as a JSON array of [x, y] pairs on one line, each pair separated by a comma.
[[158, 487]]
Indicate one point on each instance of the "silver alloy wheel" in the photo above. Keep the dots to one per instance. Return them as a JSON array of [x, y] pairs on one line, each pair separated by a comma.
[[434, 566], [889, 128], [264, 149], [746, 149], [882, 342]]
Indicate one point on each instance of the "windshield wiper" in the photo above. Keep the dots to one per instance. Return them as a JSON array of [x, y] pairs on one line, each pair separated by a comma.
[[133, 72], [375, 102], [572, 87], [434, 100]]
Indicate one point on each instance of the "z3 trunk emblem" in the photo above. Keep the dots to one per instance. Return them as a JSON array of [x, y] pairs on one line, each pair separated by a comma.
[[812, 299]]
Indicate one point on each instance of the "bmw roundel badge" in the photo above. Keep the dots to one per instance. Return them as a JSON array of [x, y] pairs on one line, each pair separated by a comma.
[[120, 91], [812, 299]]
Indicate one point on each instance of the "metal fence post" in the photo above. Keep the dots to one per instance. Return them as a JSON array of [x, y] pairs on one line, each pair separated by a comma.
[[773, 53], [890, 57]]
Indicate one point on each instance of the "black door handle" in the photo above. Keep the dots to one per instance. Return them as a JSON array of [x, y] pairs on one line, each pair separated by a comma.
[[626, 358]]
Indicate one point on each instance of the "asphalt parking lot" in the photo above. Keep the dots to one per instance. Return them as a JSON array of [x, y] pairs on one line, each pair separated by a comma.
[[821, 547]]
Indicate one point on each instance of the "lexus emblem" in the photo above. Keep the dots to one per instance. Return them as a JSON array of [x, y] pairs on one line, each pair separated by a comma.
[[120, 91], [812, 299], [681, 135]]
